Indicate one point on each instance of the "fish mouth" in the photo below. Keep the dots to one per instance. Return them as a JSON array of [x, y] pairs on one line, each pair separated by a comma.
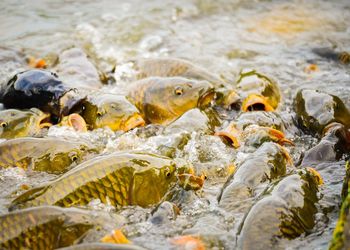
[[256, 103], [287, 156], [231, 100], [332, 127], [230, 134], [134, 121], [206, 98], [190, 181], [44, 121], [75, 121], [279, 137]]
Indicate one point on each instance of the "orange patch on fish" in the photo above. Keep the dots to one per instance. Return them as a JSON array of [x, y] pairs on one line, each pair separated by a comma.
[[117, 237]]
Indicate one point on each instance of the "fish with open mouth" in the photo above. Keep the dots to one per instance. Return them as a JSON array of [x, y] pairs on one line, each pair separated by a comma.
[[162, 100], [20, 123]]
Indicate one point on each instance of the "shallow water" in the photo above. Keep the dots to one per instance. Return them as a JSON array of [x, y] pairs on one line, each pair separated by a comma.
[[274, 37]]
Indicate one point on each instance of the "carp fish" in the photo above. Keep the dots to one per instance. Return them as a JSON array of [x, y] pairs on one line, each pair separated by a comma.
[[109, 110], [258, 92], [286, 212], [16, 123], [38, 89], [316, 109], [269, 162], [119, 179], [163, 100], [52, 155], [172, 67], [50, 227], [341, 237]]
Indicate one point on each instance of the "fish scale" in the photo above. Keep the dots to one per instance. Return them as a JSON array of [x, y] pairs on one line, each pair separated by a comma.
[[110, 178], [40, 155], [162, 100], [170, 67], [50, 227], [8, 241]]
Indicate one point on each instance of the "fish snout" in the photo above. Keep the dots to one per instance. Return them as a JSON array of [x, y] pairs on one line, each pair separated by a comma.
[[231, 134], [133, 121], [190, 181], [75, 121], [206, 96], [256, 103]]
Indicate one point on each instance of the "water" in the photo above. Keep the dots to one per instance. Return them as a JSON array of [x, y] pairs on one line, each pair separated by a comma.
[[273, 37]]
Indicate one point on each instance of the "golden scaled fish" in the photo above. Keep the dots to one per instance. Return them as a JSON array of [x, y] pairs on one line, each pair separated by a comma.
[[50, 227], [52, 155], [172, 67], [119, 179], [16, 123], [163, 100], [110, 110], [258, 92]]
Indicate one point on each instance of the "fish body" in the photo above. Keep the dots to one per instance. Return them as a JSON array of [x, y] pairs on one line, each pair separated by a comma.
[[172, 67], [258, 92], [119, 179], [76, 71], [50, 227], [163, 100], [316, 109], [269, 162], [284, 213], [341, 236], [109, 110], [52, 155], [20, 123], [38, 89]]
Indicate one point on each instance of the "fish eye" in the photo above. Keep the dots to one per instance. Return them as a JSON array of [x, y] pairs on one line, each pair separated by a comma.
[[3, 124], [99, 113], [167, 172], [74, 157], [178, 91]]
